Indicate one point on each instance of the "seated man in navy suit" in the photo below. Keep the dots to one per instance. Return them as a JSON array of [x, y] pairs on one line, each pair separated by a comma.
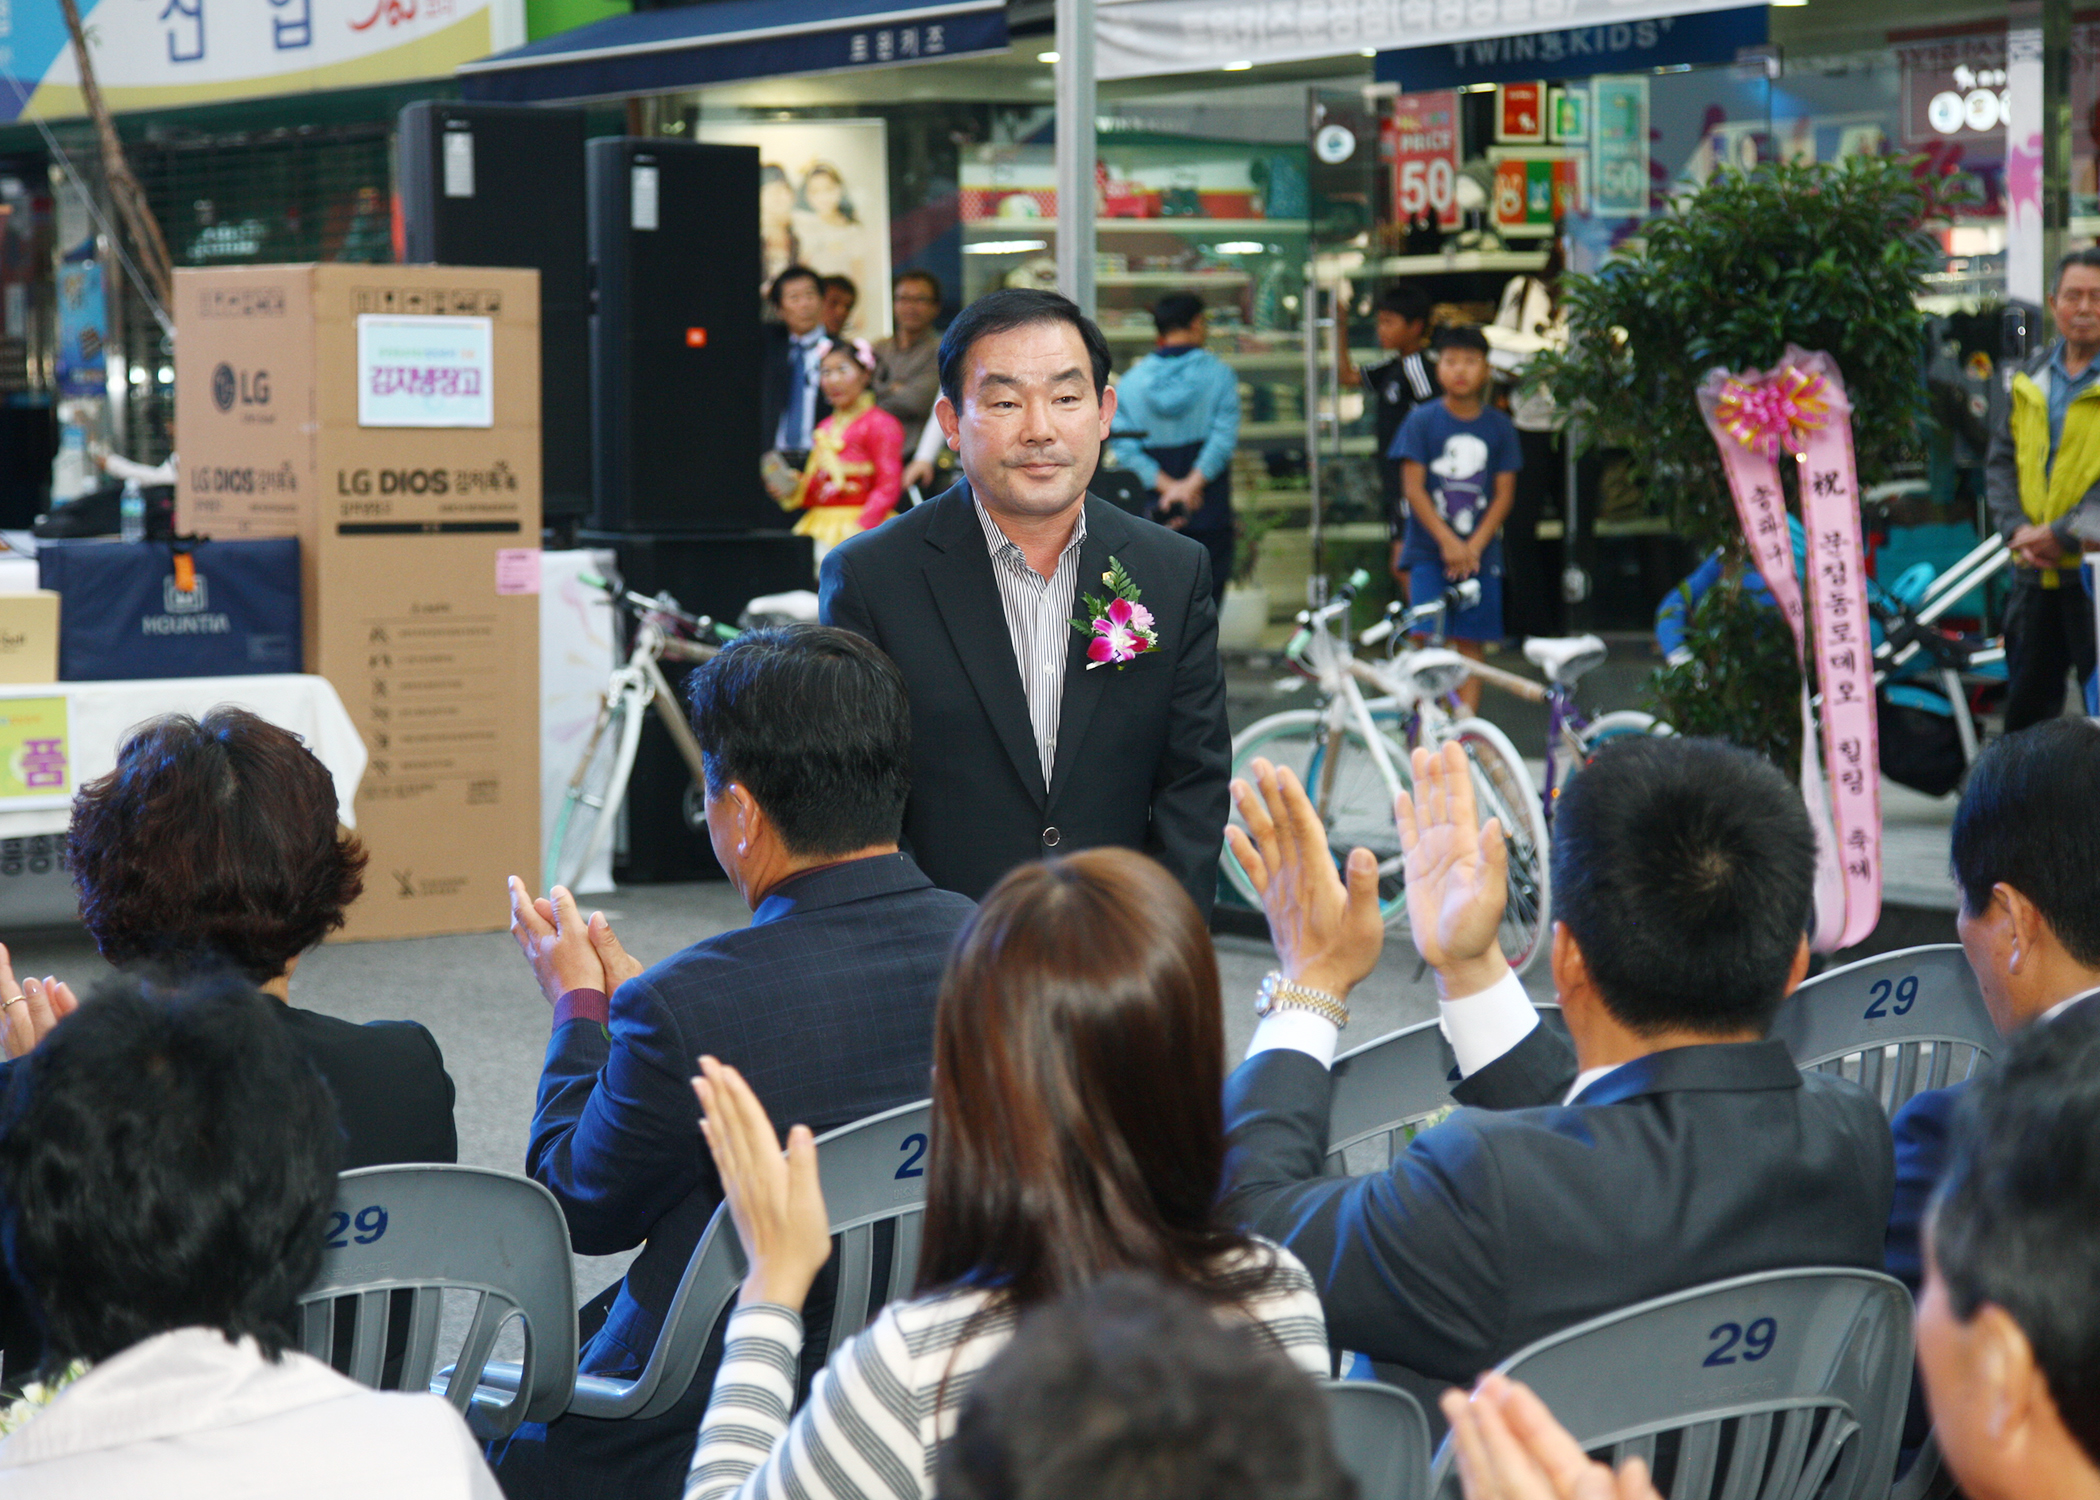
[[825, 1002], [2026, 854], [1675, 1146]]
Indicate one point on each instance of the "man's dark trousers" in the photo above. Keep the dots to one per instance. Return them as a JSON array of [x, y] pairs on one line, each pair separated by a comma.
[[2048, 635], [825, 1004]]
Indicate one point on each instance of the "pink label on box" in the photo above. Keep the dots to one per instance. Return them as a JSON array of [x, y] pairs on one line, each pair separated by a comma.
[[518, 570]]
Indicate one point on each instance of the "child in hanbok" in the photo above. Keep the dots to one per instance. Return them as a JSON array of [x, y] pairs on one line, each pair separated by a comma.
[[856, 458]]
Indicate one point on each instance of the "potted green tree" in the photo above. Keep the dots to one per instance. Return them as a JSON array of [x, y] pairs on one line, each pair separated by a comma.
[[1828, 256], [1245, 613]]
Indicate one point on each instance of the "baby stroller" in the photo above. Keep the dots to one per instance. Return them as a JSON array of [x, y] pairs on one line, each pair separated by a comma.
[[1923, 672]]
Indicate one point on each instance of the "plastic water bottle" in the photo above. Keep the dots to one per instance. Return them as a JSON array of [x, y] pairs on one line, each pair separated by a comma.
[[131, 512]]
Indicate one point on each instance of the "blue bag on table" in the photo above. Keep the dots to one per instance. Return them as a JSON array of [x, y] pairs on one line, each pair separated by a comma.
[[174, 609]]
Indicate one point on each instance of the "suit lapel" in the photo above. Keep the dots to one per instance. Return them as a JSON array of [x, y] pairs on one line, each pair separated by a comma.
[[960, 575], [1106, 530]]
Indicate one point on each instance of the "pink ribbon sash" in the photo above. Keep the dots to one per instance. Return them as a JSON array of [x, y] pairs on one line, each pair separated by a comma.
[[1799, 407]]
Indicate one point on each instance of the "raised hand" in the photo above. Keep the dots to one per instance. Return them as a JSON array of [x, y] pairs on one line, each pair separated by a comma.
[[620, 965], [774, 1198], [1511, 1448], [1457, 874], [30, 1009], [1327, 934], [551, 935]]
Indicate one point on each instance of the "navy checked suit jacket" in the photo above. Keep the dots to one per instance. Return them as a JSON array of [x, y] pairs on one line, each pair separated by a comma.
[[824, 1003]]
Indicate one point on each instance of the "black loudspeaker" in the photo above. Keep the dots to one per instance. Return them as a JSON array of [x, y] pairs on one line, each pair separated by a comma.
[[675, 348], [502, 185], [664, 829]]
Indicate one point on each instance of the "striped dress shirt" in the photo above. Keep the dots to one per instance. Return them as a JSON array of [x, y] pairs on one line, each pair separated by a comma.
[[885, 1402], [1039, 621]]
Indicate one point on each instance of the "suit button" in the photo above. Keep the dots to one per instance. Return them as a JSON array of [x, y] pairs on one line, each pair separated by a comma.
[[1050, 838]]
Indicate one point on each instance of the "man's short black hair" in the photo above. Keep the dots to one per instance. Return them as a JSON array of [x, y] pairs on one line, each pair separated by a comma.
[[830, 284], [924, 277], [1684, 869], [815, 724], [793, 273], [1002, 312], [2016, 1218], [169, 1162], [1133, 1390], [1176, 311], [2030, 816], [1404, 299], [2088, 257], [1462, 336]]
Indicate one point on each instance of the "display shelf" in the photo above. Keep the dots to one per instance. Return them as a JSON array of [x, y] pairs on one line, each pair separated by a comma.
[[1455, 263], [1002, 228], [1172, 278]]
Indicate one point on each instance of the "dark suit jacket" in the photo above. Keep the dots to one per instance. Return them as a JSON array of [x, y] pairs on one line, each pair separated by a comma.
[[1521, 1217], [1920, 1129], [825, 1004], [392, 1093], [774, 376], [1143, 751]]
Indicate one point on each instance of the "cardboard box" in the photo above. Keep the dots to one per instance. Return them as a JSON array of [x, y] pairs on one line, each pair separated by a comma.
[[29, 636], [388, 416]]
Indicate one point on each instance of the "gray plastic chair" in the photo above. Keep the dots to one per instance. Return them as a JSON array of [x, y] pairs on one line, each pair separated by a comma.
[[422, 1230], [1391, 1086], [1777, 1386], [1895, 1025], [874, 1171], [1381, 1437]]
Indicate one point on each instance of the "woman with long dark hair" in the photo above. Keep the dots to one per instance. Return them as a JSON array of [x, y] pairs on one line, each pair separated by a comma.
[[1078, 1131]]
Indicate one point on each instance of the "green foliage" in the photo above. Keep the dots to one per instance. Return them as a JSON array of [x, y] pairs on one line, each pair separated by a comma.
[[1742, 682]]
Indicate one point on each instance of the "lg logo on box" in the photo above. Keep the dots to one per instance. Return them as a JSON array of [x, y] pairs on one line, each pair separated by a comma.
[[249, 387], [394, 482]]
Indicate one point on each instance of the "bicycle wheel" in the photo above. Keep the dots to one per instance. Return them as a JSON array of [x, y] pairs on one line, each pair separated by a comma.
[[1503, 789], [591, 803], [1620, 724], [1354, 798]]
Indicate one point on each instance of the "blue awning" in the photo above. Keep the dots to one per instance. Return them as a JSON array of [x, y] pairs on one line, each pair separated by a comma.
[[655, 51]]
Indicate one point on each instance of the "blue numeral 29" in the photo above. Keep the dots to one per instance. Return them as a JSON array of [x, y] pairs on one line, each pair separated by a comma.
[[1756, 1341]]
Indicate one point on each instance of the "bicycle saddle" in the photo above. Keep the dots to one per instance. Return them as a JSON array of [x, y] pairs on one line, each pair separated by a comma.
[[1564, 658]]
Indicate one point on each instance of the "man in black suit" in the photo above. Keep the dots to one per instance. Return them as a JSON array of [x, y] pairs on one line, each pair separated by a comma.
[[2024, 850], [791, 403], [1024, 741], [1676, 1146], [825, 1002]]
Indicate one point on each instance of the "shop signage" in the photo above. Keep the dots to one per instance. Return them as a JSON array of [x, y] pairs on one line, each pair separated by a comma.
[[1536, 189], [1609, 39], [36, 764], [1619, 146], [425, 372], [154, 56], [1953, 88], [83, 328], [1520, 112], [1422, 134]]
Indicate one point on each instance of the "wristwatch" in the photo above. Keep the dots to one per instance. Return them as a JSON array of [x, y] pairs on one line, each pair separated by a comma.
[[1278, 993]]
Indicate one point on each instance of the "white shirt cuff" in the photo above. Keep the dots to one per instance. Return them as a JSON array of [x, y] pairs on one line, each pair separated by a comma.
[[1297, 1030], [1482, 1027]]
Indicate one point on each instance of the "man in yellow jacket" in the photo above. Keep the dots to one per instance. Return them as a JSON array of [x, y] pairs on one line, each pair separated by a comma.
[[2043, 482]]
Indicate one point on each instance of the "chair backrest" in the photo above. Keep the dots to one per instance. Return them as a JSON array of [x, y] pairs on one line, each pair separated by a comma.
[[874, 1172], [1896, 1024], [1778, 1386], [1393, 1085], [400, 1237], [1381, 1437]]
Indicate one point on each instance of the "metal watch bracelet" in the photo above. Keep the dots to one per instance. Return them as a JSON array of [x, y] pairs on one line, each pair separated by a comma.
[[1278, 993]]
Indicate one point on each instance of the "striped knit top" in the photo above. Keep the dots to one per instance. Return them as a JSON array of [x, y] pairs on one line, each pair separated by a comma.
[[878, 1409]]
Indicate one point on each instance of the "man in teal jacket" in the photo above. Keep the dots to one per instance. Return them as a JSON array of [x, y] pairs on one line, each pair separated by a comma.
[[1180, 409]]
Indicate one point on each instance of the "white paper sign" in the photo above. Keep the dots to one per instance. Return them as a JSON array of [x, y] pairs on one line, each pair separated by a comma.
[[425, 372], [459, 164], [641, 197]]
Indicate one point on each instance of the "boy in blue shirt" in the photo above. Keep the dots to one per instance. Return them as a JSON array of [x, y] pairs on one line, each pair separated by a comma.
[[1459, 459]]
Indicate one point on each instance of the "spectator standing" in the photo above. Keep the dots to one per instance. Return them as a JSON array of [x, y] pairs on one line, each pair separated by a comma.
[[908, 362], [790, 402], [1076, 1135], [2042, 480], [825, 1000], [1395, 389], [852, 480], [1185, 401], [1531, 310], [841, 296], [1459, 459], [167, 1177]]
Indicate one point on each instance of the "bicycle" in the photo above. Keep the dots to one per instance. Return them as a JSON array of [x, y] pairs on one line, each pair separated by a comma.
[[591, 801], [1353, 770]]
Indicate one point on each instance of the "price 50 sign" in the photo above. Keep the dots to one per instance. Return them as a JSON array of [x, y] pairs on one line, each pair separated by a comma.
[[1422, 141]]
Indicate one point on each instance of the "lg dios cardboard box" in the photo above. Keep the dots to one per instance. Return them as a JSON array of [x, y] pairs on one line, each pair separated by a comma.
[[388, 416]]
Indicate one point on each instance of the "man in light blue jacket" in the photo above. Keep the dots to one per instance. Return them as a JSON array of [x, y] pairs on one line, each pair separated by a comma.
[[1180, 409]]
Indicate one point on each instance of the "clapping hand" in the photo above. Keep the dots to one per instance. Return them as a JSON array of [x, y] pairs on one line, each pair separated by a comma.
[[1328, 935], [566, 952], [1457, 874], [774, 1197], [1511, 1448], [31, 1008]]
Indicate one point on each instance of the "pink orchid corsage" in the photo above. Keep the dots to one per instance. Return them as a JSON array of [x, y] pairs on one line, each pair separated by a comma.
[[1121, 628]]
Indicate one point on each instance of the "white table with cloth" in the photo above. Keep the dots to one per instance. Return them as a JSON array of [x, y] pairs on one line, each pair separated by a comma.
[[57, 736]]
